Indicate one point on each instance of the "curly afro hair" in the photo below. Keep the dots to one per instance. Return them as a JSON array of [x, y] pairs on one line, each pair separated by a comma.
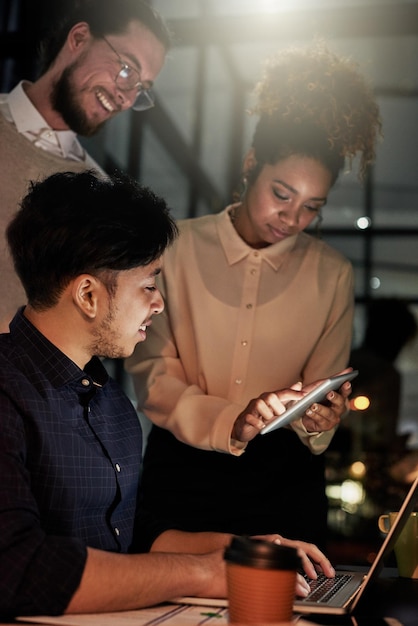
[[315, 103]]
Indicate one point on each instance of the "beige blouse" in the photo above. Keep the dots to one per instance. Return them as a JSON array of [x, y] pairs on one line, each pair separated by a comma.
[[238, 322]]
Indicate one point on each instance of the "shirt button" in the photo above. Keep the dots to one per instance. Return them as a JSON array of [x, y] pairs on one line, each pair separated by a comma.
[[238, 381], [249, 306], [117, 532], [117, 467], [244, 343], [253, 272], [85, 382]]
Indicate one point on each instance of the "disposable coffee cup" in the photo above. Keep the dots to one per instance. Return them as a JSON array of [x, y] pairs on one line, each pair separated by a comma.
[[261, 581]]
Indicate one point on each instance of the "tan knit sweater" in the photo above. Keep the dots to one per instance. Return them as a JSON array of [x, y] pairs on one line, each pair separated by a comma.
[[20, 162]]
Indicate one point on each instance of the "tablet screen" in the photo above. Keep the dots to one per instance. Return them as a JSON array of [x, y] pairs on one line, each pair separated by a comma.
[[316, 395]]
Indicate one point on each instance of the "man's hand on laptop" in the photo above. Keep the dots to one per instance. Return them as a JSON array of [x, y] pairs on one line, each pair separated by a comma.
[[313, 560]]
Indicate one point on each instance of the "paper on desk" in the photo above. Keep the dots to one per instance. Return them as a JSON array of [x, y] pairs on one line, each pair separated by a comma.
[[223, 602], [169, 614]]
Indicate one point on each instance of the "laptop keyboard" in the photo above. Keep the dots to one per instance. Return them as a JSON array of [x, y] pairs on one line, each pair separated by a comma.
[[323, 588]]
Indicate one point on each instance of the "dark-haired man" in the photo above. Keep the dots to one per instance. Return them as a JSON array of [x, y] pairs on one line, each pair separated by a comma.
[[87, 250]]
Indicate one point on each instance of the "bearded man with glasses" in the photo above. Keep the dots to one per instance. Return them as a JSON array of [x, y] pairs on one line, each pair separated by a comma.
[[99, 60]]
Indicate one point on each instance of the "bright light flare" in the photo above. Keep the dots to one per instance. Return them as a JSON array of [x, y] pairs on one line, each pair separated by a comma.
[[359, 403], [272, 6], [358, 469], [363, 223], [352, 492]]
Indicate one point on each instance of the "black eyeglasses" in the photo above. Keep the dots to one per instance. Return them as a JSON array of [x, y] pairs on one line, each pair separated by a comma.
[[127, 79]]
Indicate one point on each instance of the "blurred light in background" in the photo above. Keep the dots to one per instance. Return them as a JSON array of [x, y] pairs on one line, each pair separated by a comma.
[[350, 494], [363, 222], [359, 403], [358, 469]]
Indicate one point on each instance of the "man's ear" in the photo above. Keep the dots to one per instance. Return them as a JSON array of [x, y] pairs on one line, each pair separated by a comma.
[[85, 292], [249, 162], [78, 36]]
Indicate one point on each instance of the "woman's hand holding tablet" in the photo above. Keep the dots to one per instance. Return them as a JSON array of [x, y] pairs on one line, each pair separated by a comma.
[[318, 394]]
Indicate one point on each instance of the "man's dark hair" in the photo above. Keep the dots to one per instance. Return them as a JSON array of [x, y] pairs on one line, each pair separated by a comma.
[[70, 224], [104, 17]]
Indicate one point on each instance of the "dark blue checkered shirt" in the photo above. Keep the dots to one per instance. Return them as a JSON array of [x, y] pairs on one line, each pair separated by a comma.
[[70, 455]]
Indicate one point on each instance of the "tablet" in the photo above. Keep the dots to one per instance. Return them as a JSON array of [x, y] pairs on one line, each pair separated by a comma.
[[316, 395]]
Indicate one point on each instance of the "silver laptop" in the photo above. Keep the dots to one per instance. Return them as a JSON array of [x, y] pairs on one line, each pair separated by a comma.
[[340, 595]]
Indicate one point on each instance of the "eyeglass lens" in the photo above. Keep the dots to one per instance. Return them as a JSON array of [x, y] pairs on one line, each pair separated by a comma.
[[144, 100], [128, 78]]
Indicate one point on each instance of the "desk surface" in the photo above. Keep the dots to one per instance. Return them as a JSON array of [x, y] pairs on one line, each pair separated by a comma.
[[167, 614], [391, 601]]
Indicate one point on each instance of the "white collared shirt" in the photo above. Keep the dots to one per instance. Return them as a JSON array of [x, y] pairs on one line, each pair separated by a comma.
[[19, 110]]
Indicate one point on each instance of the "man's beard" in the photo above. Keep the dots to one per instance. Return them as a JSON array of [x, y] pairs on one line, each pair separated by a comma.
[[105, 339], [63, 100]]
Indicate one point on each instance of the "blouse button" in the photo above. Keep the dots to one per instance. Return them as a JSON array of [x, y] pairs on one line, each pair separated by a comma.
[[249, 306], [117, 466], [244, 343], [238, 381], [117, 532]]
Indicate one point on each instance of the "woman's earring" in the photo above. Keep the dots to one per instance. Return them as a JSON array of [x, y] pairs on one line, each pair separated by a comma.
[[244, 187], [318, 225], [239, 193]]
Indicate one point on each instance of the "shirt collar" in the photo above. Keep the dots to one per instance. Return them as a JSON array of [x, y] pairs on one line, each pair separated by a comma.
[[27, 118], [55, 365], [236, 249]]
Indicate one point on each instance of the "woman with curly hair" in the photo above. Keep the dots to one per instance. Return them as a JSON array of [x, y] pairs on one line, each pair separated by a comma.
[[255, 304]]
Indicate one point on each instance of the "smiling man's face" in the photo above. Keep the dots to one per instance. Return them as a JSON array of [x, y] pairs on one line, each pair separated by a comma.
[[86, 94]]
